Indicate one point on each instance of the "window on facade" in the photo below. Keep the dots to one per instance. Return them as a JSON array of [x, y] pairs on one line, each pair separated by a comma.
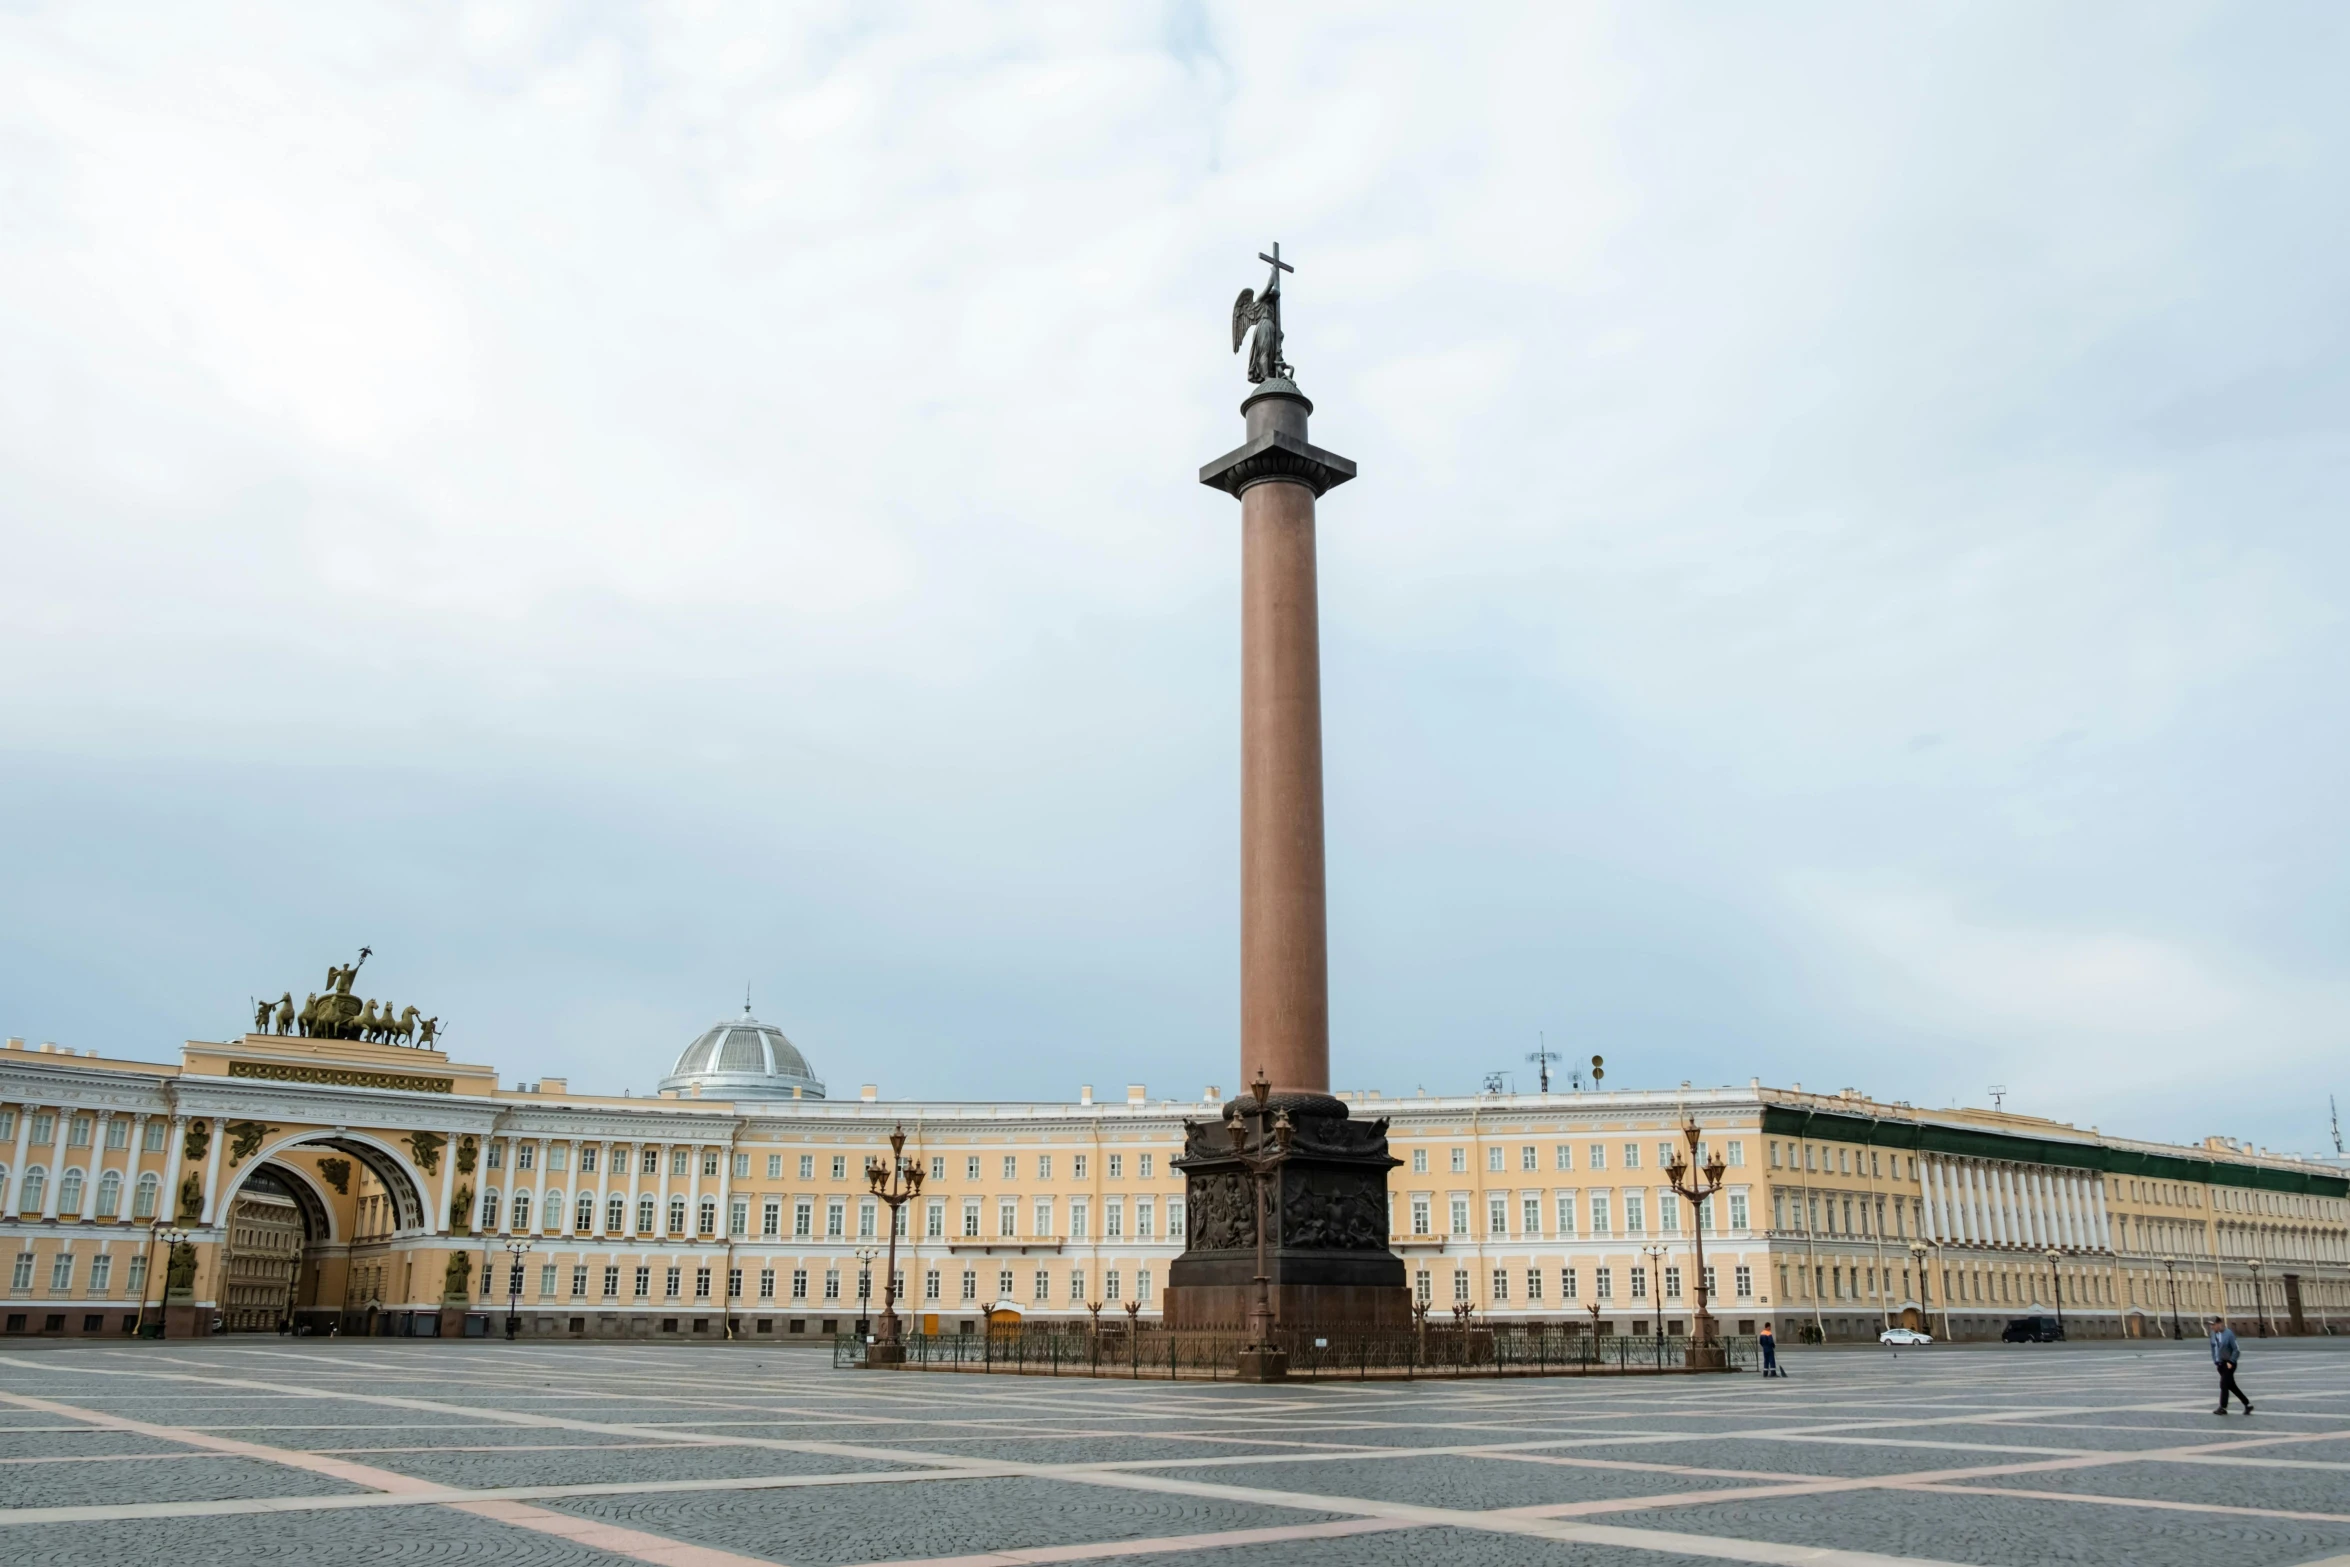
[[1460, 1161], [142, 1196], [69, 1192], [1603, 1283], [1460, 1215], [1598, 1157], [1668, 1213], [971, 1167], [1007, 1218], [865, 1219], [152, 1140], [1011, 1167], [1044, 1218], [43, 1128], [1530, 1216], [1497, 1215], [1640, 1284], [587, 1160], [701, 1283], [835, 1219], [1635, 1218], [118, 1133], [1672, 1283], [677, 1215], [672, 1283], [970, 1284], [1420, 1224], [738, 1217], [1078, 1218], [1631, 1156], [584, 1213], [1493, 1159], [1460, 1286], [611, 1283], [970, 1220], [799, 1283], [832, 1283], [109, 1194]]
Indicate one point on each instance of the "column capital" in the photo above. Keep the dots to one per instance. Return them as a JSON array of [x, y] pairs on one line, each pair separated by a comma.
[[1278, 455]]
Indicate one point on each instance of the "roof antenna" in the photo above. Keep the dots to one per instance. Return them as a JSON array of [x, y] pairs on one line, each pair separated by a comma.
[[746, 998], [2337, 1118]]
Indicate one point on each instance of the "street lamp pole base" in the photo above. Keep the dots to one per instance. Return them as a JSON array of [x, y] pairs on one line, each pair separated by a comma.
[[878, 1356], [1263, 1363]]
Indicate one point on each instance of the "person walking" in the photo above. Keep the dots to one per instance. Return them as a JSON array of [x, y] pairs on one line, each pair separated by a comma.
[[2223, 1355], [1770, 1353]]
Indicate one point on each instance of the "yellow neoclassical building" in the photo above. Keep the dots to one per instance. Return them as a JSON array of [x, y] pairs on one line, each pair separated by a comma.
[[372, 1187]]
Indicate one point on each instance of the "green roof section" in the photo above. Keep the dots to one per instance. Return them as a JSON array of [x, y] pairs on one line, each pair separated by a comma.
[[1967, 1142]]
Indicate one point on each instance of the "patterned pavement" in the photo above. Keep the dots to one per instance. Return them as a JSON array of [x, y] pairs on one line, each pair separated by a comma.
[[720, 1456]]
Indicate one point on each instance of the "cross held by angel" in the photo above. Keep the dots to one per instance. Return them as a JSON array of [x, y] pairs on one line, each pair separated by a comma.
[[1263, 311]]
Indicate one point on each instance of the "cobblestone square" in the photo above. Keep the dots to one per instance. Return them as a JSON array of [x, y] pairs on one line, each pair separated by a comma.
[[725, 1455]]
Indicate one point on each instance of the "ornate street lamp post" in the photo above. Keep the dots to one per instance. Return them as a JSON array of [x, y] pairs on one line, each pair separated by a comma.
[[516, 1250], [2171, 1268], [1704, 1351], [1263, 1360], [172, 1241], [865, 1256], [1917, 1260], [2259, 1298], [2056, 1286], [896, 1183]]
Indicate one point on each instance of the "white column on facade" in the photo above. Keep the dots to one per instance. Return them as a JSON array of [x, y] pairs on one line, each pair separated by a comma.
[[2035, 1212], [2002, 1213], [437, 1221], [1930, 1189], [2068, 1202], [538, 1201], [509, 1149], [1946, 1201], [725, 1185], [1988, 1203], [212, 1212], [636, 1165], [15, 1181], [2101, 1233], [167, 1203], [1972, 1174], [666, 1156], [2085, 1201], [130, 1180], [59, 1153], [566, 1226], [2060, 1188]]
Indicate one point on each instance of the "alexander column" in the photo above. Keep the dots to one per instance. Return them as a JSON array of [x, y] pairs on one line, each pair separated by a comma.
[[1327, 1198]]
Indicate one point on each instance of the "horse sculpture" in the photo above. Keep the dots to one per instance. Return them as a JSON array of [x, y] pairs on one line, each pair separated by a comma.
[[285, 1013]]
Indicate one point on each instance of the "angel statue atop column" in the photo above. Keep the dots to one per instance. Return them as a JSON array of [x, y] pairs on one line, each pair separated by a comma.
[[1264, 311]]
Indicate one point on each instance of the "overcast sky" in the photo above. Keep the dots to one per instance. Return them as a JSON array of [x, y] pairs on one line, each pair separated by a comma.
[[606, 505]]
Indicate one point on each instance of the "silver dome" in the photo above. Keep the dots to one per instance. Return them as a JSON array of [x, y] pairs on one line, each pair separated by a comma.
[[743, 1058]]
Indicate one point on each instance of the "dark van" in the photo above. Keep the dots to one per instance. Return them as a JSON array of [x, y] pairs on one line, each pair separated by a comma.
[[2033, 1330]]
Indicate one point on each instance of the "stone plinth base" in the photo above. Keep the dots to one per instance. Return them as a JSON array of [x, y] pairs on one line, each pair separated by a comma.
[[1333, 1307], [453, 1319], [883, 1355], [1262, 1365], [186, 1319]]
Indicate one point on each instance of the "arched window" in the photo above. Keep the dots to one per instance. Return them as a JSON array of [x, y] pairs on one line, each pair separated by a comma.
[[552, 1214], [522, 1210], [644, 1211], [109, 1194], [677, 1215], [69, 1191], [616, 1215], [585, 1217], [489, 1208], [143, 1198], [36, 1188]]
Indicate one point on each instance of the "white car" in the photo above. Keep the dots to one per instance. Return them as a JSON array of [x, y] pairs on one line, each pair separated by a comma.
[[1903, 1336]]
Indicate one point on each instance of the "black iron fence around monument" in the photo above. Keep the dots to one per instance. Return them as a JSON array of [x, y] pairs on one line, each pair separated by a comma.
[[1146, 1350]]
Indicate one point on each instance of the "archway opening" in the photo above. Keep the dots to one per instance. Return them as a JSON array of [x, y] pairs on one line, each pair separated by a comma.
[[272, 1224]]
